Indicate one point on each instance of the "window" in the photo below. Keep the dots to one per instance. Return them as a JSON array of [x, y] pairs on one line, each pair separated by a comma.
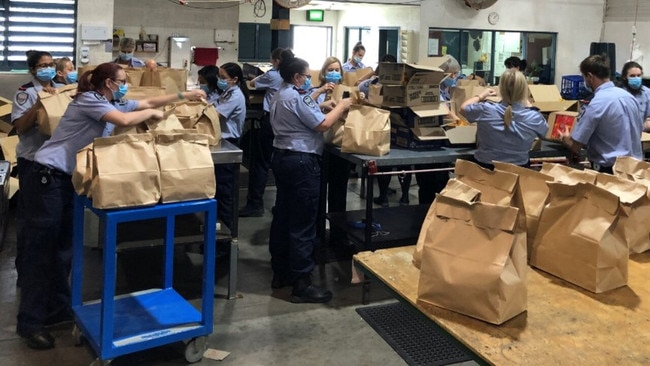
[[313, 44], [483, 52], [254, 42], [354, 35], [45, 25]]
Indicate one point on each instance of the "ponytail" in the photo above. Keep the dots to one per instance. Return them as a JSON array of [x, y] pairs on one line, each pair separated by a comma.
[[507, 116]]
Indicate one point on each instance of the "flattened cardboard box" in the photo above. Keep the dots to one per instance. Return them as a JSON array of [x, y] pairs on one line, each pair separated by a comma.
[[548, 99], [430, 133], [422, 88]]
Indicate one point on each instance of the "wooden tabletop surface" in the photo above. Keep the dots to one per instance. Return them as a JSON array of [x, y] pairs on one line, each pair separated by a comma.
[[564, 324]]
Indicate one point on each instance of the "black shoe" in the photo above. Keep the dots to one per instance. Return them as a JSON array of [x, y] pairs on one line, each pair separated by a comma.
[[404, 201], [381, 201], [41, 339], [248, 211], [279, 281], [311, 294]]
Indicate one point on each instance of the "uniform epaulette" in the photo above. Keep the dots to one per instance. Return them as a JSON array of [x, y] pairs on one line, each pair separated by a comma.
[[26, 86]]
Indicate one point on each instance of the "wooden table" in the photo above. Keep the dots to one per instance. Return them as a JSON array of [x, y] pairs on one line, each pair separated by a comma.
[[564, 324]]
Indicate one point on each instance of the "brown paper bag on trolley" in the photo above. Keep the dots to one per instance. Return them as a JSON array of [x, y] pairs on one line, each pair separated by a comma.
[[83, 172], [201, 116], [186, 167], [578, 239], [534, 194], [168, 122], [125, 171], [475, 263], [454, 189], [366, 131], [53, 107], [635, 210]]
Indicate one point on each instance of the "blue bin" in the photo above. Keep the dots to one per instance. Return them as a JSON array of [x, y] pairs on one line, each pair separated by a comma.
[[573, 87]]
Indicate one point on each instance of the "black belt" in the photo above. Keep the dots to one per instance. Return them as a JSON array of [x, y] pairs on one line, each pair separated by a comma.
[[42, 169], [293, 152]]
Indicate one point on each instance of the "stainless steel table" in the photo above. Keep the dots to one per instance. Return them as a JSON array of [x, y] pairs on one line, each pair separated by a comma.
[[392, 215], [226, 153]]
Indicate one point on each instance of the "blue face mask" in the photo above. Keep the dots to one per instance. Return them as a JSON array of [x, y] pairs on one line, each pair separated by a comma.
[[306, 85], [222, 84], [333, 77], [45, 74], [634, 82], [126, 56], [121, 92], [357, 59], [449, 82], [205, 88], [72, 77]]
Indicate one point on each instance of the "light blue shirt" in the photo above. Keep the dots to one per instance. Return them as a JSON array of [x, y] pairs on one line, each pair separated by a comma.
[[135, 62], [80, 125], [31, 140], [349, 67], [495, 142], [231, 105], [644, 101], [610, 126], [270, 81], [294, 117], [364, 86], [123, 106]]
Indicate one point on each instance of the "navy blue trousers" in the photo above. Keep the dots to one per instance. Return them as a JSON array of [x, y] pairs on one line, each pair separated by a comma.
[[47, 254], [293, 230], [260, 163]]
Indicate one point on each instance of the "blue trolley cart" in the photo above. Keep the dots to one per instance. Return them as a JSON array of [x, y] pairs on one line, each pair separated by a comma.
[[119, 325]]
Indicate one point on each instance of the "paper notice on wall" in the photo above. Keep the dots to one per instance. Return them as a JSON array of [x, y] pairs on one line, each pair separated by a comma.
[[434, 44]]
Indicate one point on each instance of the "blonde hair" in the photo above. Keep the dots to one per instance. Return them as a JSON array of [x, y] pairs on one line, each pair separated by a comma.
[[514, 89], [61, 63], [328, 61]]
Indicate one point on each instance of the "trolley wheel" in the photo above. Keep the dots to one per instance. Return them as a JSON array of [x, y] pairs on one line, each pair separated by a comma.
[[195, 348], [78, 336]]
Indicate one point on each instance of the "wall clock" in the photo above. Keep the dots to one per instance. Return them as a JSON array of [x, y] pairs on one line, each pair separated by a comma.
[[493, 18]]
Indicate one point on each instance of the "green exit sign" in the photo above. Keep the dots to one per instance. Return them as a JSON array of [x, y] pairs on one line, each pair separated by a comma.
[[315, 15]]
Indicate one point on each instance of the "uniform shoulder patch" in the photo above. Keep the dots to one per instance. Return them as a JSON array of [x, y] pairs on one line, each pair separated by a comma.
[[99, 96], [21, 98], [307, 100]]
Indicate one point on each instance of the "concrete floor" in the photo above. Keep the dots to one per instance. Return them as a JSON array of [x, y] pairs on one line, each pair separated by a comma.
[[260, 327]]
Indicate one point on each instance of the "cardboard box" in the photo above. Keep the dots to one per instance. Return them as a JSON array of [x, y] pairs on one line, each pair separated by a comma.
[[5, 107], [423, 136], [392, 73], [426, 115], [557, 121], [422, 88], [375, 96], [548, 99], [645, 141]]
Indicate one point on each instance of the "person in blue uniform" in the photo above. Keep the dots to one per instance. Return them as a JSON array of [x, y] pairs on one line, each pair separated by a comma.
[[355, 62], [231, 105], [260, 163], [65, 71], [611, 124], [631, 80], [328, 77], [298, 124], [23, 117], [125, 56], [45, 291], [208, 79], [506, 130]]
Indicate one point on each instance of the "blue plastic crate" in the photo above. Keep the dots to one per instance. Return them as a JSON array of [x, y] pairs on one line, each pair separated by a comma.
[[573, 87]]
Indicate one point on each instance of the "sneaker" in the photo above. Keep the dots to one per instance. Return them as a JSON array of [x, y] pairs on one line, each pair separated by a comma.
[[248, 211], [381, 201], [311, 294]]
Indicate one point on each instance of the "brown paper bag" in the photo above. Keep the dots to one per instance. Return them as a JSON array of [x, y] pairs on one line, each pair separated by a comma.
[[343, 91], [8, 145], [144, 92], [366, 131], [83, 172], [578, 240], [481, 272], [334, 134], [568, 175], [53, 107], [134, 75], [534, 194], [173, 80], [186, 167], [374, 95], [125, 182], [188, 112], [635, 210], [497, 187], [201, 116], [454, 189], [168, 122], [351, 78], [632, 169]]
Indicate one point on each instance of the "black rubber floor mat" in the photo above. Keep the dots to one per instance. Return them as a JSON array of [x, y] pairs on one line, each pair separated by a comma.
[[413, 337]]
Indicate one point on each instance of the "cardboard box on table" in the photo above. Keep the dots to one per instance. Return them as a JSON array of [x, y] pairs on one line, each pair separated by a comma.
[[548, 99], [558, 121], [410, 84]]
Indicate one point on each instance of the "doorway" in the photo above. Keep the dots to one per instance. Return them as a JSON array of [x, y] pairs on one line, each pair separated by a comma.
[[388, 42]]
